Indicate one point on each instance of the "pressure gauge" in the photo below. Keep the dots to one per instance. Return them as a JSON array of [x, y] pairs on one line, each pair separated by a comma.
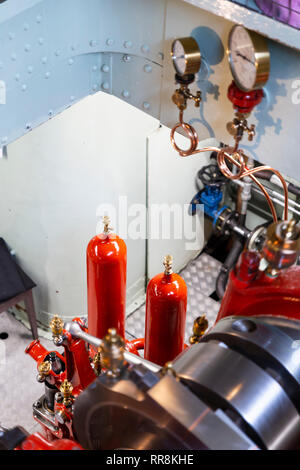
[[249, 58], [186, 56]]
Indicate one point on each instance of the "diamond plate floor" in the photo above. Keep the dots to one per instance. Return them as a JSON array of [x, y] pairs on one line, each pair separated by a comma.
[[200, 276], [18, 385]]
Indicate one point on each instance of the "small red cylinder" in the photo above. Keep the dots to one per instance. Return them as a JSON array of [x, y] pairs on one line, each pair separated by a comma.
[[166, 303], [106, 283]]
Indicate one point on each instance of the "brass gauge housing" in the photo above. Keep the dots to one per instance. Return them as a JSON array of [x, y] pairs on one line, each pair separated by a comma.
[[186, 56], [249, 58]]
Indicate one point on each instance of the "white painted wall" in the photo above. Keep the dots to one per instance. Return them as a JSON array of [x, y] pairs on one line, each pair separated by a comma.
[[171, 185], [51, 184]]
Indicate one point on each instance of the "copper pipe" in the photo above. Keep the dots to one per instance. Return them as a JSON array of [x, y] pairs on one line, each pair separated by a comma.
[[233, 155]]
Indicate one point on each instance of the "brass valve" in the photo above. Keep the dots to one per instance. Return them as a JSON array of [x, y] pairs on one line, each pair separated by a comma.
[[44, 370], [239, 125], [199, 328], [66, 389], [56, 326], [168, 369], [97, 362], [112, 353], [183, 94]]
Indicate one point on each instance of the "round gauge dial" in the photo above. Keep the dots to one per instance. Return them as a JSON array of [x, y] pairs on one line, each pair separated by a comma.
[[249, 58], [186, 56]]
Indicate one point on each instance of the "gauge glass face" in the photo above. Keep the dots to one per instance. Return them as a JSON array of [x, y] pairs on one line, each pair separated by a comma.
[[242, 58], [178, 56]]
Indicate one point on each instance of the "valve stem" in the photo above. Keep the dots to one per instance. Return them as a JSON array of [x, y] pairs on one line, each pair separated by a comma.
[[168, 262], [106, 222]]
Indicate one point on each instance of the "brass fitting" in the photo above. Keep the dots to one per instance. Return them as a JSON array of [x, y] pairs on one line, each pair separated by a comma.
[[168, 369], [282, 246], [97, 363], [239, 125], [56, 326], [112, 353], [66, 389], [182, 95], [199, 328], [106, 222], [168, 262], [44, 370]]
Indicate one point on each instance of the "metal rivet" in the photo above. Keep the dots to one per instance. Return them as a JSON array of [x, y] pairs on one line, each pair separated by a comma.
[[13, 56], [95, 68], [148, 68], [127, 44], [41, 41], [44, 60], [105, 86], [125, 94], [26, 27], [30, 69], [93, 43], [146, 105], [17, 77], [71, 61], [110, 42], [50, 112], [126, 58], [24, 87], [28, 125], [47, 74], [145, 48], [27, 47], [105, 68]]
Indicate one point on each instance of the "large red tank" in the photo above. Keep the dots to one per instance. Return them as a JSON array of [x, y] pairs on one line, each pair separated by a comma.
[[106, 283], [166, 303]]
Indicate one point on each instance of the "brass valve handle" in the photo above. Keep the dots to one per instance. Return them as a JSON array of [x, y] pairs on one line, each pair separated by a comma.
[[182, 94], [238, 126]]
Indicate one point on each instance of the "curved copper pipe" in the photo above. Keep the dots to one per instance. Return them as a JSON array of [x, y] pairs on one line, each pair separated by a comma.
[[233, 155]]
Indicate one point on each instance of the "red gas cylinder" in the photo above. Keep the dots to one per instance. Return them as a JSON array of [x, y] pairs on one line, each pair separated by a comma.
[[165, 315], [106, 283]]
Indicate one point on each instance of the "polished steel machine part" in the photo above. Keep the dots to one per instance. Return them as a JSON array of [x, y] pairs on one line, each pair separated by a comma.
[[141, 410], [238, 388], [248, 368]]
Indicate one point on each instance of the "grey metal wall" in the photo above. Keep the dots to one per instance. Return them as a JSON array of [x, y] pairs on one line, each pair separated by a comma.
[[55, 52]]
